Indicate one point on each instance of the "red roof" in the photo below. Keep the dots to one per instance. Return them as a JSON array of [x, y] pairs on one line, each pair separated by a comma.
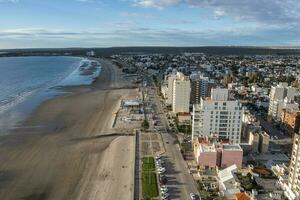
[[242, 196]]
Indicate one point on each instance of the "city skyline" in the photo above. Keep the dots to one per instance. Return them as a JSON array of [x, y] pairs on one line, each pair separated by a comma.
[[103, 23]]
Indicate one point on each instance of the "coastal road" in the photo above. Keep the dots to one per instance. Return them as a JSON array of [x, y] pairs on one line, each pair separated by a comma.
[[180, 182]]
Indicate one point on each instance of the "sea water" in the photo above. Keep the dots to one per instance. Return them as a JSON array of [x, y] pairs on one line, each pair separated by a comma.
[[27, 81]]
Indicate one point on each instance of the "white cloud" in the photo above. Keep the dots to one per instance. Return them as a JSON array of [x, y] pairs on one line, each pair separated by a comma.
[[160, 4], [10, 1], [263, 11]]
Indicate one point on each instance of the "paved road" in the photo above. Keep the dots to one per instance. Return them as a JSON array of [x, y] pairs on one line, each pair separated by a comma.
[[180, 182]]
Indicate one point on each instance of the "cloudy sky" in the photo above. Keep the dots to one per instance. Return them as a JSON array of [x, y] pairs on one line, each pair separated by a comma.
[[105, 23]]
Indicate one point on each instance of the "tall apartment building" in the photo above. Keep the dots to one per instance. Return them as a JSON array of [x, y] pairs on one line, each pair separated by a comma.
[[181, 94], [218, 116], [281, 97], [169, 91], [200, 87], [293, 190]]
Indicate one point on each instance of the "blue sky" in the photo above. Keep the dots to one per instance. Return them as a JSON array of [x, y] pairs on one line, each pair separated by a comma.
[[106, 23]]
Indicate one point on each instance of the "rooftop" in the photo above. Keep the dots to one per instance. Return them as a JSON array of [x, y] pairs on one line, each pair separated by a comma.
[[232, 147], [208, 148]]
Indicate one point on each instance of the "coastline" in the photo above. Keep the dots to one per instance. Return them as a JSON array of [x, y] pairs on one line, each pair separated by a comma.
[[12, 114], [55, 155]]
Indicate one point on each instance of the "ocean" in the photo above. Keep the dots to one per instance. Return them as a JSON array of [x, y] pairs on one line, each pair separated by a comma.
[[25, 82]]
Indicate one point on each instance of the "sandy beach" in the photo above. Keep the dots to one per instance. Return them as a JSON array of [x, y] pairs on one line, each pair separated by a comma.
[[66, 149]]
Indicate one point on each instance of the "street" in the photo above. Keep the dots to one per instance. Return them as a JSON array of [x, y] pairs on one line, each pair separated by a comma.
[[180, 182]]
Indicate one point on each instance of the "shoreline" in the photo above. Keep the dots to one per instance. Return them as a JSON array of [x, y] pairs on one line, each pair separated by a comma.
[[18, 112], [56, 153]]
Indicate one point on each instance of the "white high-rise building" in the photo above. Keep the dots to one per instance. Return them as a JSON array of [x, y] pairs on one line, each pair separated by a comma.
[[292, 191], [181, 94], [170, 81], [218, 116], [281, 97]]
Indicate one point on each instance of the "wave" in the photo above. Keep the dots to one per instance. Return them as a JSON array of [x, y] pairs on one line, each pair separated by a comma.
[[10, 102]]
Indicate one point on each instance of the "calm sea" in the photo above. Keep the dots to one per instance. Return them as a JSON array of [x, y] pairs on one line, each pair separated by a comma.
[[27, 81]]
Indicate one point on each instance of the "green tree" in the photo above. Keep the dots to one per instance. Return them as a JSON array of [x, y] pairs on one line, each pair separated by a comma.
[[145, 124]]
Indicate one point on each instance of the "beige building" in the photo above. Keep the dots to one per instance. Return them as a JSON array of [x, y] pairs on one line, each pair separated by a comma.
[[259, 141], [281, 97], [181, 94], [264, 140], [254, 141], [292, 191]]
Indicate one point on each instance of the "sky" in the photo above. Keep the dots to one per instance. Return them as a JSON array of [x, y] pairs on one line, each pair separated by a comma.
[[107, 23]]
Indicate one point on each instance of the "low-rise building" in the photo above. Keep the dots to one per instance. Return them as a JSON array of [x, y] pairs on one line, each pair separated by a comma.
[[229, 184], [211, 155], [207, 155], [231, 154]]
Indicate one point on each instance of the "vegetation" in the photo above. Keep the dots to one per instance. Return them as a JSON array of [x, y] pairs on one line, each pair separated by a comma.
[[186, 129], [289, 79], [149, 185], [208, 194], [149, 179], [148, 164], [145, 124], [183, 128], [248, 183]]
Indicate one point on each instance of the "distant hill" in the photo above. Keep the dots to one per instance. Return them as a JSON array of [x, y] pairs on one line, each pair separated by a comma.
[[211, 50]]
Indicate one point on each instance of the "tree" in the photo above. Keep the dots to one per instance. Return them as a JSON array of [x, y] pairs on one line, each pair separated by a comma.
[[145, 124]]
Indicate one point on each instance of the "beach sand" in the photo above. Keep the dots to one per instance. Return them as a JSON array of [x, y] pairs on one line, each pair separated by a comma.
[[60, 151]]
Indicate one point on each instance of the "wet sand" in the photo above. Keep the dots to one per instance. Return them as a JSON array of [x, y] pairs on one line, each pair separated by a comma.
[[59, 152]]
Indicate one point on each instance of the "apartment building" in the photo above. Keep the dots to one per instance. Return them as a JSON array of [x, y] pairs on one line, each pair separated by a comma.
[[281, 97], [181, 94], [290, 119], [218, 116], [292, 190], [200, 87]]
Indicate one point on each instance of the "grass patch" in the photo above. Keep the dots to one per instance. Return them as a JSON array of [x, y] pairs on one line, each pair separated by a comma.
[[148, 164], [149, 178], [149, 185]]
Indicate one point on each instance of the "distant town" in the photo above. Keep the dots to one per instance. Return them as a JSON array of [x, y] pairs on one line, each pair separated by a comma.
[[235, 120]]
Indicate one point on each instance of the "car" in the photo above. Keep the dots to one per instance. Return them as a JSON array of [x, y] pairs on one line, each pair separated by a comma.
[[157, 157], [161, 169], [164, 192], [164, 198], [159, 161], [164, 189], [193, 196], [163, 181], [161, 172], [165, 195]]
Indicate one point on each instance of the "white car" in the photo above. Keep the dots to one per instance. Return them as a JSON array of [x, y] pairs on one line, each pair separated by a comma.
[[161, 172], [161, 169], [164, 189]]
